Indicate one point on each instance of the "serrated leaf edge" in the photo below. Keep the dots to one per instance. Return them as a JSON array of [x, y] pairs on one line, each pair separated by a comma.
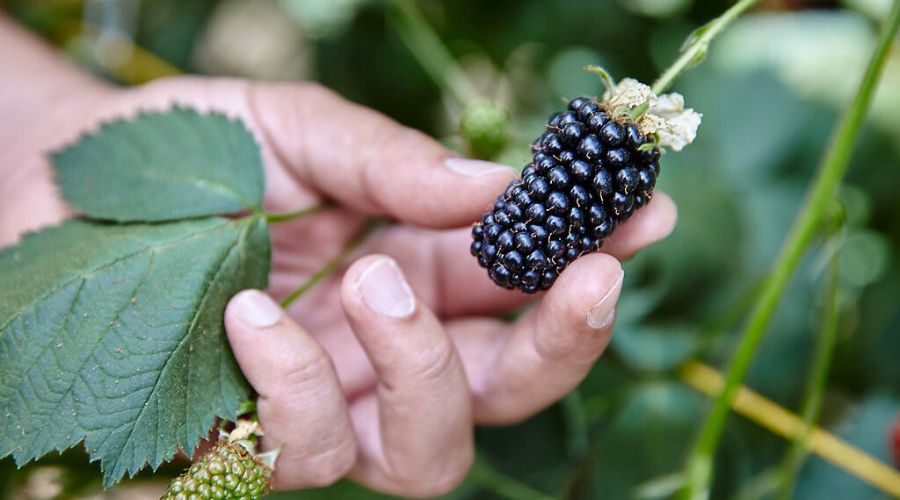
[[191, 438], [182, 110]]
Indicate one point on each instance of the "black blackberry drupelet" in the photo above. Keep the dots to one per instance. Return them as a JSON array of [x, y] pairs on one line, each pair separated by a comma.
[[588, 174]]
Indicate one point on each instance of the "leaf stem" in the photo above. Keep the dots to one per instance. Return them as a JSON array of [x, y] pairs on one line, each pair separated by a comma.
[[332, 265], [431, 53], [289, 216], [698, 43], [818, 377], [806, 225]]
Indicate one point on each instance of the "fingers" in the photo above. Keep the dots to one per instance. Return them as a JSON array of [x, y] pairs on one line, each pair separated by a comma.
[[300, 405], [547, 352], [442, 270], [329, 147], [370, 163], [450, 280], [648, 225], [415, 433]]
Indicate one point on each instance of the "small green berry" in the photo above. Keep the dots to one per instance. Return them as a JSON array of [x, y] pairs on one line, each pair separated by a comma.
[[229, 471], [485, 128]]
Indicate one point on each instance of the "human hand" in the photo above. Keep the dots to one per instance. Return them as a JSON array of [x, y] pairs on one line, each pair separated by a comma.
[[381, 373]]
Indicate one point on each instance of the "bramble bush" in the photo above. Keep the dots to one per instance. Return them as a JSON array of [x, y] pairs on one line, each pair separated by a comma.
[[771, 308]]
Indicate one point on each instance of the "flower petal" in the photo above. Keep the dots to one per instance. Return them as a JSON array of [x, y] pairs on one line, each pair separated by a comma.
[[630, 93]]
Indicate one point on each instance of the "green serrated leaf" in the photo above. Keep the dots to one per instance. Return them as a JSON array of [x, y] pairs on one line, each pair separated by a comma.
[[113, 335], [162, 166]]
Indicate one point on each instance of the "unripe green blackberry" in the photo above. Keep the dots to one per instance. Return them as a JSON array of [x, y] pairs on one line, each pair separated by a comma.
[[485, 128], [228, 471], [590, 171]]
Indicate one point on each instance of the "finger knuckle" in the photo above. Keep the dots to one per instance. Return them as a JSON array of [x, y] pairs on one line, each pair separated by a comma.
[[301, 372], [328, 467], [432, 364], [401, 142], [427, 484]]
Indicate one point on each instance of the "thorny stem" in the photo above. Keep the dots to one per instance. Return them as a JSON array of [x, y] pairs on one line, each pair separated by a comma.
[[819, 196], [425, 45], [698, 43], [332, 265]]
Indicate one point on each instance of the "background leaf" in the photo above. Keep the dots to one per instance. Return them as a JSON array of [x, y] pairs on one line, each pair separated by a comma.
[[645, 439], [113, 335], [162, 166]]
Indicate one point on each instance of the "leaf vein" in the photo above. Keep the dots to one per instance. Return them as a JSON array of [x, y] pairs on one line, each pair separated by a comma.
[[155, 386], [111, 263], [78, 373]]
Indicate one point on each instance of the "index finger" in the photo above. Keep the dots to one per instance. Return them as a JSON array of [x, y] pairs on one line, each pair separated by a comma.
[[368, 162], [314, 140], [451, 281]]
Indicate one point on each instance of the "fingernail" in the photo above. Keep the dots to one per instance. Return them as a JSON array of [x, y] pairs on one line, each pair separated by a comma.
[[475, 168], [256, 309], [602, 313], [384, 289]]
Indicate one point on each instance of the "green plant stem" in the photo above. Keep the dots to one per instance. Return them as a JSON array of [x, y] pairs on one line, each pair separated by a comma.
[[428, 49], [332, 265], [289, 216], [818, 378], [484, 475], [820, 195], [698, 43]]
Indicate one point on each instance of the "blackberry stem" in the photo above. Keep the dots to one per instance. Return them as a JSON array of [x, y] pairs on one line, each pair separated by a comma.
[[807, 224], [697, 43], [332, 265]]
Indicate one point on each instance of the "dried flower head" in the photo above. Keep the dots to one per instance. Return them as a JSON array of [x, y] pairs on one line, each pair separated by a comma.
[[666, 117]]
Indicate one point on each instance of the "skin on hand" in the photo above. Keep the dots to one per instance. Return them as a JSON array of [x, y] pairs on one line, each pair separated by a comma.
[[382, 371]]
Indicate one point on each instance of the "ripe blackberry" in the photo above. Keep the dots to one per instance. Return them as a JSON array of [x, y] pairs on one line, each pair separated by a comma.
[[590, 171]]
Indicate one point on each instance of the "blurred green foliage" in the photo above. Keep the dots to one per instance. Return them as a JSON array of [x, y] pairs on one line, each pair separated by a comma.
[[769, 91]]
